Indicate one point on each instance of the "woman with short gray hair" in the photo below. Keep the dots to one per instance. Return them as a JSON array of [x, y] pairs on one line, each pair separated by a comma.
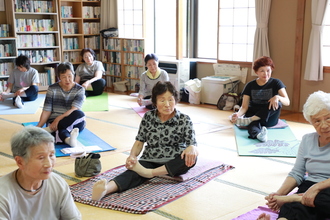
[[33, 191]]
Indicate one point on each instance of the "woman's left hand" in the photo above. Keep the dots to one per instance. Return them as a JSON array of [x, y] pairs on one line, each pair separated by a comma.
[[309, 196], [85, 84], [273, 102], [190, 154]]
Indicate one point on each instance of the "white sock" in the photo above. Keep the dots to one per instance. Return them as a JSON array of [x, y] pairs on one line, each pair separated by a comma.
[[18, 102], [72, 140]]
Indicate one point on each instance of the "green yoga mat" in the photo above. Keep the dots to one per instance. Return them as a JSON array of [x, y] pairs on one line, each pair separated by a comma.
[[96, 103], [281, 143]]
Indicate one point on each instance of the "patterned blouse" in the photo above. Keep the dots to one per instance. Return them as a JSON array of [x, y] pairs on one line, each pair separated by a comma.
[[165, 140]]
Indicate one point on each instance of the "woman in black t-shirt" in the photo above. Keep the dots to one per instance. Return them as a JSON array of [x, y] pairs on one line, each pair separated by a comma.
[[262, 101]]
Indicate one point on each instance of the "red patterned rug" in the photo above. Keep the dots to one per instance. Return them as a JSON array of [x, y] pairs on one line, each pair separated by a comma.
[[149, 196]]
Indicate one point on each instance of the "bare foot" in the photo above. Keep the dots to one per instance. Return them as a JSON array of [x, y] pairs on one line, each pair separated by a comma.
[[280, 200], [264, 216], [99, 189], [141, 170]]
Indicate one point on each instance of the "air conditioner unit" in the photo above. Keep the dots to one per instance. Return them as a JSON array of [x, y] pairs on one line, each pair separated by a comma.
[[178, 71]]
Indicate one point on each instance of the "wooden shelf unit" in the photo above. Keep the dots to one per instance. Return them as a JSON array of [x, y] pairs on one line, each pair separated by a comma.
[[36, 30], [123, 59], [78, 30], [8, 54]]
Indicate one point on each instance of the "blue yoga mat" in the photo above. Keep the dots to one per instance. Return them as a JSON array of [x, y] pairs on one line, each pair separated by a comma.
[[281, 143], [31, 107], [86, 137]]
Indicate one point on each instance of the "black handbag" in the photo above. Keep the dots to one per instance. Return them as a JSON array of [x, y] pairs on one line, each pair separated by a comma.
[[88, 166]]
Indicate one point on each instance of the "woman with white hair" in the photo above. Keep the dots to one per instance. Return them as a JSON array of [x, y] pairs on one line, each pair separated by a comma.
[[311, 171], [33, 191]]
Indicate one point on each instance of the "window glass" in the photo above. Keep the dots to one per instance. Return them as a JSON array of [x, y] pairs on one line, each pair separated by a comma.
[[207, 24], [326, 39], [165, 27], [236, 30], [130, 18]]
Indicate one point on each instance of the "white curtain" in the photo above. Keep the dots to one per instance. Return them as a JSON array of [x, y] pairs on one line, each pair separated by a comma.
[[108, 14], [314, 66], [261, 45]]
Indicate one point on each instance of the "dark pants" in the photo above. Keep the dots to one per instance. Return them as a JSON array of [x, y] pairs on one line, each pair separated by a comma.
[[31, 94], [150, 107], [98, 88], [297, 211], [268, 118], [66, 122], [130, 179]]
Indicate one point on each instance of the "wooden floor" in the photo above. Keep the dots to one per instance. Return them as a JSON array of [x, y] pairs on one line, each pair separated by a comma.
[[225, 197]]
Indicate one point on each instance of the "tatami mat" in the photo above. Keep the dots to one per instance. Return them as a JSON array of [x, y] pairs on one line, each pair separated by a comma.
[[225, 197]]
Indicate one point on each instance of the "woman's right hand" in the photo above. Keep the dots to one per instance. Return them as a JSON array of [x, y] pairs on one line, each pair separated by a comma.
[[130, 162], [271, 202], [233, 118]]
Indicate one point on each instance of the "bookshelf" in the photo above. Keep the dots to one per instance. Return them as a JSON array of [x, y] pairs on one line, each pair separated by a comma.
[[8, 54], [35, 25], [36, 29], [123, 60], [80, 28]]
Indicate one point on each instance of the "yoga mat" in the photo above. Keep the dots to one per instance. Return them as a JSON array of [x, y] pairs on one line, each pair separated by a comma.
[[86, 137], [30, 107], [96, 103], [140, 110], [281, 143], [149, 196], [254, 214]]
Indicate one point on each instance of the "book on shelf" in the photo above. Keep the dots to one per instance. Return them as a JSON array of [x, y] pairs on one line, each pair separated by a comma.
[[91, 12], [66, 12], [4, 30], [50, 75]]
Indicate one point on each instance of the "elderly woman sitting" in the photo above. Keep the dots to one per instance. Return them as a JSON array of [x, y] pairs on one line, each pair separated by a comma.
[[33, 191], [170, 149], [312, 201]]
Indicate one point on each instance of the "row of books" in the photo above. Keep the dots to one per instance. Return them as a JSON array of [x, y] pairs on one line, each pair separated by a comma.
[[48, 77], [111, 57], [71, 56], [36, 40], [70, 43], [91, 12], [133, 71], [34, 6], [111, 44], [39, 56], [134, 59], [66, 12], [3, 85], [133, 45], [70, 28], [92, 42], [112, 69], [6, 68], [91, 28], [34, 25], [4, 30], [7, 50]]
